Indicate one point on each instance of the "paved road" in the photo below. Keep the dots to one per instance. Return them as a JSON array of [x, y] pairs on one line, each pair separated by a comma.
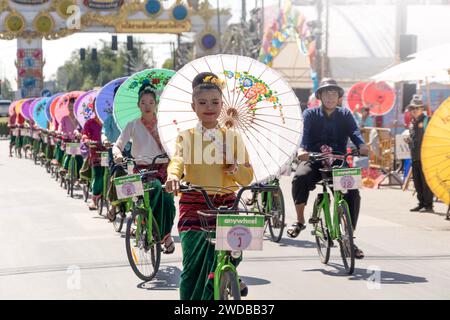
[[48, 240]]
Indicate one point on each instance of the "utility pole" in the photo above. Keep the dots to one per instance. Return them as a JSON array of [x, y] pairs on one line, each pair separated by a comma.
[[400, 26], [326, 60], [218, 27], [319, 69], [244, 11]]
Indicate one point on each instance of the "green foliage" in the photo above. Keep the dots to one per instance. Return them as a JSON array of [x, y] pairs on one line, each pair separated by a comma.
[[168, 64], [87, 74], [4, 131], [7, 91]]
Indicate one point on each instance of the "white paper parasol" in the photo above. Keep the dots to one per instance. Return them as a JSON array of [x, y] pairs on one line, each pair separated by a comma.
[[258, 103]]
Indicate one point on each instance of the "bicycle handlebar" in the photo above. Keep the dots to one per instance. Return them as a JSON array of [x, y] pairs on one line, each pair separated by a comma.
[[318, 156], [185, 188]]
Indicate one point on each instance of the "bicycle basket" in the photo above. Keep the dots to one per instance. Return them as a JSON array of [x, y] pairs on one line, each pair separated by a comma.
[[208, 224]]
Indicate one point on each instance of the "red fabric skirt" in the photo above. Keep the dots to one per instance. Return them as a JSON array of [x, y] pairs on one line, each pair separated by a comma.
[[191, 202]]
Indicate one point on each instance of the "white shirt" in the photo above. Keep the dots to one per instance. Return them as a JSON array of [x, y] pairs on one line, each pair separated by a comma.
[[144, 147]]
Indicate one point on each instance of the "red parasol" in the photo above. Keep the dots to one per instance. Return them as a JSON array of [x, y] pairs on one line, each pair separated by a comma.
[[354, 96], [380, 97]]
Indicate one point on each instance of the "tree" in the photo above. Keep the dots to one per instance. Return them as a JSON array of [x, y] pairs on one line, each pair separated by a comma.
[[77, 74], [6, 91], [168, 64]]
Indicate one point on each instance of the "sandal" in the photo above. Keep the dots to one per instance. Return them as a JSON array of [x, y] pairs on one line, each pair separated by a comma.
[[295, 230], [169, 245], [359, 254]]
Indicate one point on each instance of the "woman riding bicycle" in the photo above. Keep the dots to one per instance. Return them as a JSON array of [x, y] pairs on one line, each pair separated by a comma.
[[12, 136], [199, 260], [145, 147], [69, 130], [92, 169], [327, 126]]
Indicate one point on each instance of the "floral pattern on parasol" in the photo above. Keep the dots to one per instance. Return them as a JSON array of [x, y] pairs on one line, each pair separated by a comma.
[[257, 102], [126, 101]]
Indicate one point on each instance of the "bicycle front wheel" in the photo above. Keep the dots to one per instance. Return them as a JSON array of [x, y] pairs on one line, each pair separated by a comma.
[[143, 250], [346, 238], [275, 209], [118, 221], [229, 286]]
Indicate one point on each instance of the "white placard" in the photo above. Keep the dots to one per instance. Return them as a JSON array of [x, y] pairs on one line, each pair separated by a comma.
[[15, 132], [104, 159], [36, 135], [239, 233], [25, 132], [347, 179], [129, 186], [402, 150], [73, 149]]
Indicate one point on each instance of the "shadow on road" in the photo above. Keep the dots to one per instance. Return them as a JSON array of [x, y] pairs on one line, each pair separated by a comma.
[[385, 277], [251, 281], [288, 242], [167, 278]]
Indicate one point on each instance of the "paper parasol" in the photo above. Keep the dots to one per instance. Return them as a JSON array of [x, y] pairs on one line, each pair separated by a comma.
[[105, 99], [258, 103], [12, 108], [39, 113], [47, 107], [85, 109], [126, 101], [62, 108], [53, 106], [19, 106], [435, 153], [354, 96], [26, 108], [32, 106], [78, 102], [380, 97]]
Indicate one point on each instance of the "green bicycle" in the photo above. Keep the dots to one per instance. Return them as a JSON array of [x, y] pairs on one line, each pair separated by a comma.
[[71, 176], [272, 205], [226, 278], [142, 236], [339, 227], [103, 201]]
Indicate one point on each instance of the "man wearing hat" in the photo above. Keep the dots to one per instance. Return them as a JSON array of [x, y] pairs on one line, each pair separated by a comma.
[[417, 128], [327, 127]]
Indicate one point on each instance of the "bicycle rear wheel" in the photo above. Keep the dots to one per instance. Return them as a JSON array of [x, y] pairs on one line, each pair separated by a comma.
[[346, 238], [321, 233], [100, 205], [144, 252], [229, 286], [275, 208], [86, 191]]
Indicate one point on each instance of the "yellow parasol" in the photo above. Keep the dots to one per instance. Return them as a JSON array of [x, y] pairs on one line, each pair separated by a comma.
[[436, 152], [19, 106]]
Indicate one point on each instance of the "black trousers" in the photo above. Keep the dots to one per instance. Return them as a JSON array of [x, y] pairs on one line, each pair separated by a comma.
[[424, 194], [305, 180]]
